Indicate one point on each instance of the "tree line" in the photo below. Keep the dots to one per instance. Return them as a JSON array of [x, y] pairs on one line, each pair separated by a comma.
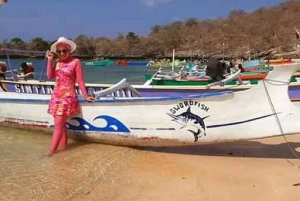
[[263, 32]]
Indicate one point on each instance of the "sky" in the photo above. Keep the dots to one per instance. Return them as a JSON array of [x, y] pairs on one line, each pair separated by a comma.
[[51, 19]]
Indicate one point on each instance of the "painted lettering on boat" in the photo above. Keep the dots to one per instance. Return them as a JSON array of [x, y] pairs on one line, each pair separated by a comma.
[[187, 104], [190, 115], [33, 89], [43, 89]]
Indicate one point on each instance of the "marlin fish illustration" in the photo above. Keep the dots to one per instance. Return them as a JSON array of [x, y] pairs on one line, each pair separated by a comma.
[[196, 121]]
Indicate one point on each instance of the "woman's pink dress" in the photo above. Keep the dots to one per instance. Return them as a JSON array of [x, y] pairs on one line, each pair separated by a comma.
[[64, 100]]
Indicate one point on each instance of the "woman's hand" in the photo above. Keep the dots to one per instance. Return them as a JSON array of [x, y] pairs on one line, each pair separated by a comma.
[[90, 99], [49, 55]]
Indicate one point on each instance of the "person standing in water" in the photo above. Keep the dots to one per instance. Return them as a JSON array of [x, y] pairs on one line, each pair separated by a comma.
[[3, 69], [64, 101]]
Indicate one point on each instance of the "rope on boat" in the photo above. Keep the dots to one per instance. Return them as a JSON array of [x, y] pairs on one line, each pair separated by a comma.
[[280, 126], [269, 81]]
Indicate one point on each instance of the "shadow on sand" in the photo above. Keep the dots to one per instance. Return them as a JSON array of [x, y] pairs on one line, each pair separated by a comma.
[[234, 149]]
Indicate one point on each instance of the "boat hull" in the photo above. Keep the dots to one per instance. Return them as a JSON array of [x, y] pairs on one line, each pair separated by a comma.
[[145, 123], [205, 118]]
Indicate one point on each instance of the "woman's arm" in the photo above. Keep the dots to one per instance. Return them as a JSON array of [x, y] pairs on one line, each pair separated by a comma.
[[80, 78], [50, 69]]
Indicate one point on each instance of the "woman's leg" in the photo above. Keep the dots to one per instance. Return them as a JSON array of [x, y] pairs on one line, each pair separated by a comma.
[[64, 139], [59, 128]]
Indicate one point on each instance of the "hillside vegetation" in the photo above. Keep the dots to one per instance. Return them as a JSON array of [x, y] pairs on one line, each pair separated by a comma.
[[266, 32]]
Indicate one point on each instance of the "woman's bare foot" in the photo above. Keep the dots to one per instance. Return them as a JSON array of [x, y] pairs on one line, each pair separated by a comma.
[[62, 147]]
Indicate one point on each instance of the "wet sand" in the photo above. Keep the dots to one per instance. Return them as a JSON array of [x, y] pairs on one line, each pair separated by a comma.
[[252, 170]]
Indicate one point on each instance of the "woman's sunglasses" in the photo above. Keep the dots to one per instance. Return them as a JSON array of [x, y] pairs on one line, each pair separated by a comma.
[[61, 51]]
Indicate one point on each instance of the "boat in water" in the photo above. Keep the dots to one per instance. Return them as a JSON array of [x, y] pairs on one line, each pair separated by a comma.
[[103, 63], [263, 111]]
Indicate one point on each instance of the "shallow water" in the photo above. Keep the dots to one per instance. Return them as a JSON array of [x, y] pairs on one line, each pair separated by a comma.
[[27, 175]]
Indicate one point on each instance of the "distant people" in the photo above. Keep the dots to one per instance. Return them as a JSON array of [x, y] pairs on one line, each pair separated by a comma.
[[242, 69], [215, 69], [3, 70], [23, 68], [231, 66], [26, 71], [240, 66]]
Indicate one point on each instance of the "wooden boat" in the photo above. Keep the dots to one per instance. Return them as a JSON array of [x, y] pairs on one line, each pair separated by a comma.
[[104, 63], [138, 63], [131, 63], [141, 121], [253, 75], [122, 63], [252, 63], [279, 61], [192, 80], [261, 68], [166, 63]]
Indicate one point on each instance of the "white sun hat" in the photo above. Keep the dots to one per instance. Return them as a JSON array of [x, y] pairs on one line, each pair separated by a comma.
[[63, 40]]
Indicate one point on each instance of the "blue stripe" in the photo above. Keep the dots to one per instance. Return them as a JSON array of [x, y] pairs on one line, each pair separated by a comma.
[[159, 129], [213, 126], [121, 100], [240, 122]]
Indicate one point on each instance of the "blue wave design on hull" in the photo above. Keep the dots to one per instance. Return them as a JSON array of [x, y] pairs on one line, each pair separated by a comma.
[[113, 125]]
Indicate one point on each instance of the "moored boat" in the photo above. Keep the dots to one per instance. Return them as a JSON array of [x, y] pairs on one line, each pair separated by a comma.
[[278, 61], [104, 63], [140, 121], [122, 63], [138, 63]]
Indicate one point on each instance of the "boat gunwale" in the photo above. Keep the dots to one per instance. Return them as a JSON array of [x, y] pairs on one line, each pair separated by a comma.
[[45, 98]]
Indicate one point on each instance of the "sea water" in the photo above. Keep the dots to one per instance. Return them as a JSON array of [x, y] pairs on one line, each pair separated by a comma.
[[25, 174], [92, 74]]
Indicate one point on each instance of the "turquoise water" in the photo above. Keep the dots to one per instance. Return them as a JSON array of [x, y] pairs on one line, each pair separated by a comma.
[[94, 74]]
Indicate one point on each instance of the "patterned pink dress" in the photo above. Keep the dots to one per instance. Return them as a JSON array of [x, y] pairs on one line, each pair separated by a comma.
[[64, 100]]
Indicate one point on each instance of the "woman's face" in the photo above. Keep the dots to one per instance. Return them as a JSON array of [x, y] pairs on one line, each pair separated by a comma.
[[63, 51]]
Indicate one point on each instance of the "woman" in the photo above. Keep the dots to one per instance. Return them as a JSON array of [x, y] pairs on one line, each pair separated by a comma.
[[64, 102]]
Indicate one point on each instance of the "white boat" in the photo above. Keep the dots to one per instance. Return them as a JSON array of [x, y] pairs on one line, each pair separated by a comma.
[[210, 118]]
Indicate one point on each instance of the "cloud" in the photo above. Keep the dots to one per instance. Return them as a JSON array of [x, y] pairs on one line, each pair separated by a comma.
[[153, 3]]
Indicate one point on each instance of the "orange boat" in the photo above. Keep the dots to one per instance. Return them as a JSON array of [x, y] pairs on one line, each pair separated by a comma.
[[122, 63], [279, 61], [253, 75]]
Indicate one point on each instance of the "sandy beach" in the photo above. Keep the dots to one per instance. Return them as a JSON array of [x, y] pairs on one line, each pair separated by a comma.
[[258, 170]]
